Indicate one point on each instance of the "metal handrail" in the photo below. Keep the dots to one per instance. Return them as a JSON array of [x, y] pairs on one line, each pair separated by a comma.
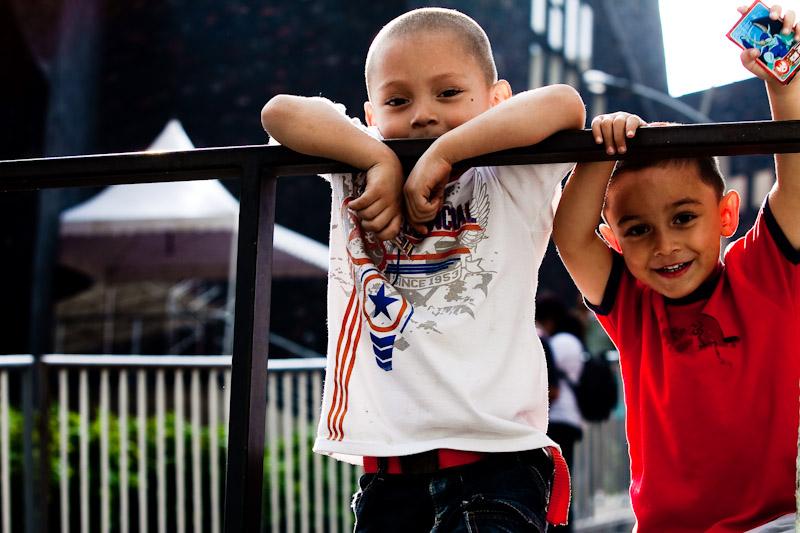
[[156, 361], [137, 361], [172, 361], [258, 166], [15, 360], [729, 138]]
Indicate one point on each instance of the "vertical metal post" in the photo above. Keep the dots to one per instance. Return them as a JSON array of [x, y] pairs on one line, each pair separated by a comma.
[[40, 342], [69, 130], [250, 351], [29, 476]]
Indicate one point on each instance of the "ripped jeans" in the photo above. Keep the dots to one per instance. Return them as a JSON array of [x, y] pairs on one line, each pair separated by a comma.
[[505, 492]]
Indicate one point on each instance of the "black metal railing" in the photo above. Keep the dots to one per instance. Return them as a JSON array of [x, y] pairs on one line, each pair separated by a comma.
[[257, 168]]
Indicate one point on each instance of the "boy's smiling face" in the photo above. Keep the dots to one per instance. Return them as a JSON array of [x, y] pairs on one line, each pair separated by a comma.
[[425, 84], [667, 223]]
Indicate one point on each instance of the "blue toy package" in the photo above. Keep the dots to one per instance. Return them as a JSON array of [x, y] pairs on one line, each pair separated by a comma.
[[780, 54]]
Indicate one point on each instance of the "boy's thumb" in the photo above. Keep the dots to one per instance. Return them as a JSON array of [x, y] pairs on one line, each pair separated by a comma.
[[748, 58], [361, 201], [354, 204]]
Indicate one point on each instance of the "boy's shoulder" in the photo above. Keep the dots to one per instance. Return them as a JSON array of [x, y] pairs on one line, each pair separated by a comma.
[[764, 242]]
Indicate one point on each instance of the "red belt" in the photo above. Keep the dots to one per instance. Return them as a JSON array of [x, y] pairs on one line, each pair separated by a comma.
[[434, 460], [560, 494], [422, 463]]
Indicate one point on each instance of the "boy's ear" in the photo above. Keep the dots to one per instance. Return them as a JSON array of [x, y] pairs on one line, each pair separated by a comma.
[[609, 237], [501, 91], [729, 213], [369, 114]]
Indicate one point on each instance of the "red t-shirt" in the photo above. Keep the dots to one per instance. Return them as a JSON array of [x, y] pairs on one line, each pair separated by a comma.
[[711, 388]]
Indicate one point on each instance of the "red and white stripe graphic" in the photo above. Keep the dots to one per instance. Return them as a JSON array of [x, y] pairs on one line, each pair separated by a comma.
[[346, 346]]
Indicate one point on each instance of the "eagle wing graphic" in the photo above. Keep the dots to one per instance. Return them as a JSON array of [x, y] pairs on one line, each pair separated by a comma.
[[479, 209]]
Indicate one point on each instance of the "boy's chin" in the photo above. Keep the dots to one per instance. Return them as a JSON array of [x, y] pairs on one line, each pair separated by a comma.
[[676, 291], [674, 294]]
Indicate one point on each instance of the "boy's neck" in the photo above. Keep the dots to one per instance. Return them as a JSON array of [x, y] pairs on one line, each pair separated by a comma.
[[702, 292]]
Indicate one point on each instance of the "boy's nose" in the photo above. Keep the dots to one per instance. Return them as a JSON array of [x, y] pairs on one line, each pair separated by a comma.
[[665, 244], [424, 117]]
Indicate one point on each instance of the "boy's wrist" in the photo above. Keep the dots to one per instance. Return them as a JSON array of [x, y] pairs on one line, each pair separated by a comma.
[[387, 165], [784, 100], [377, 153], [388, 160], [442, 148]]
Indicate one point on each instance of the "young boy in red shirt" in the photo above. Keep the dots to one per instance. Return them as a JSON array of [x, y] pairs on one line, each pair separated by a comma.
[[709, 349]]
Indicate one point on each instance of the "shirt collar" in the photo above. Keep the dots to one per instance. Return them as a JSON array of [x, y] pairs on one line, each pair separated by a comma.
[[713, 291], [703, 292]]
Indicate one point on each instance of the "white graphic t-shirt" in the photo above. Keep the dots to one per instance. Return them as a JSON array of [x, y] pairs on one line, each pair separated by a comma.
[[434, 346]]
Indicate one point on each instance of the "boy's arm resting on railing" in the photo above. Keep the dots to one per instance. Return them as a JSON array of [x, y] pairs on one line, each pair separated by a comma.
[[513, 121], [314, 126], [520, 120], [585, 255]]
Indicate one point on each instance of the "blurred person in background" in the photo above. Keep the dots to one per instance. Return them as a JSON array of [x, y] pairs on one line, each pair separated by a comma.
[[563, 333]]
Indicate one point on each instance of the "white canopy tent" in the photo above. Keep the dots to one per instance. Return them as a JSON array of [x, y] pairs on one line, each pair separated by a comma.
[[172, 230]]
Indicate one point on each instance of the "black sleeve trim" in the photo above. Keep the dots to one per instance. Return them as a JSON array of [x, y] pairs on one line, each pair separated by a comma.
[[612, 286], [786, 248]]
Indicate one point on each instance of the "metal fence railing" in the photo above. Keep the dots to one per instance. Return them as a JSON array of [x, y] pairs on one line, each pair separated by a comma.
[[117, 417], [12, 438], [138, 444], [257, 168]]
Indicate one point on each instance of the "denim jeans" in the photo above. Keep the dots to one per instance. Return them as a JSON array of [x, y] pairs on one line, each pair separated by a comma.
[[505, 492]]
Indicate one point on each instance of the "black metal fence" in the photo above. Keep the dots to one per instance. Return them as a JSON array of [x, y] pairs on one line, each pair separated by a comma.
[[257, 168]]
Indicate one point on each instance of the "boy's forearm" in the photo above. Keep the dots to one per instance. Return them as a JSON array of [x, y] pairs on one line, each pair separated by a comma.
[[784, 199], [784, 102], [587, 258], [314, 126], [580, 206], [522, 120]]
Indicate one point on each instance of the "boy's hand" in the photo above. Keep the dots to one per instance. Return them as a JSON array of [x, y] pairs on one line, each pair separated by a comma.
[[613, 130], [784, 101], [749, 56], [424, 189], [379, 206]]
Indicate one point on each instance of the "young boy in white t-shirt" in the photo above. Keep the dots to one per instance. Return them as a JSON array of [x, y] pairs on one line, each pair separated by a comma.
[[436, 380]]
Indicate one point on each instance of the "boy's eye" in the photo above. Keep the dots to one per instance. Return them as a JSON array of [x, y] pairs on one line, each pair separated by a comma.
[[396, 101], [637, 230], [684, 218], [449, 93]]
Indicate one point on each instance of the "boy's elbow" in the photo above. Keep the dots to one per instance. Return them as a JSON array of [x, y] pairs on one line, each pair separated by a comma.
[[572, 244], [276, 111], [559, 234], [569, 248], [568, 102], [285, 109], [565, 233], [573, 106]]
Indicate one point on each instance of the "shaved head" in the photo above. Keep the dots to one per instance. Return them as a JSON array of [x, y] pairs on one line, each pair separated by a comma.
[[437, 20]]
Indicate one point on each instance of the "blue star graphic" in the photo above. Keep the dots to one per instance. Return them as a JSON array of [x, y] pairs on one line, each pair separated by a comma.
[[382, 302]]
